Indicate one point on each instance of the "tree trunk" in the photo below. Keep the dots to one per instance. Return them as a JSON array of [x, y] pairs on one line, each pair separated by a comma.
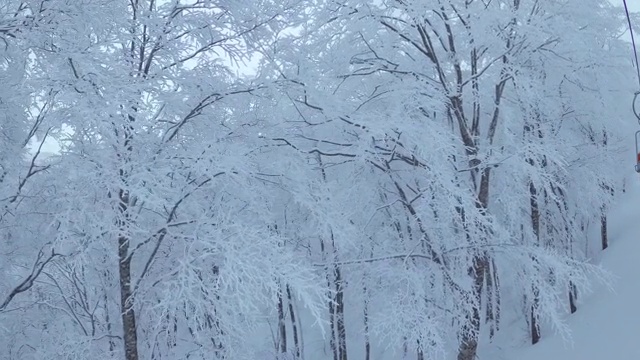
[[112, 344], [282, 329], [332, 311], [535, 224], [338, 314], [336, 324], [340, 326], [420, 352], [497, 300], [130, 337], [471, 330], [332, 323], [128, 314], [535, 327], [294, 326], [492, 284], [489, 316], [573, 296], [367, 341], [405, 347], [603, 216], [603, 231]]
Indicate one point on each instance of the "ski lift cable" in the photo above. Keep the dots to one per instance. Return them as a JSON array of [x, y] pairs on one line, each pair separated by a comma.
[[635, 53], [635, 96], [633, 40]]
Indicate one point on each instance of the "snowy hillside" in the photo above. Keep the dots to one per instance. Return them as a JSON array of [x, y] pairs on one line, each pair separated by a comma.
[[606, 325]]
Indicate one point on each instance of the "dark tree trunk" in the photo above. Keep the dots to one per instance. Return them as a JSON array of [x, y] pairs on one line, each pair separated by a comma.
[[573, 297], [471, 330], [338, 314], [420, 352], [340, 325], [174, 338], [496, 284], [294, 326], [282, 329], [367, 341], [405, 347], [492, 284], [489, 316], [332, 311], [535, 327], [332, 323], [535, 224], [126, 302], [130, 337], [565, 208], [603, 217], [112, 344], [603, 231], [333, 305]]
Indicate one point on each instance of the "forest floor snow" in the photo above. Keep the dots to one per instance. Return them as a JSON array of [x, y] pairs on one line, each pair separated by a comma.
[[607, 323]]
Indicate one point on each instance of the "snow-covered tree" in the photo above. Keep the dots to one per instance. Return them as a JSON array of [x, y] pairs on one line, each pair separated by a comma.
[[476, 149], [161, 209], [301, 179]]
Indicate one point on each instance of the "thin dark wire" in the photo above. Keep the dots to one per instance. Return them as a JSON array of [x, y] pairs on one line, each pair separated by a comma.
[[635, 109], [633, 40], [635, 53]]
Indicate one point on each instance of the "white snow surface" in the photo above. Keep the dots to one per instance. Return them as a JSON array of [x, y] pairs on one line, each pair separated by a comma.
[[607, 323]]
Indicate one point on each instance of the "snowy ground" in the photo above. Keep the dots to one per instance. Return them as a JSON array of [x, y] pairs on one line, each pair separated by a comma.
[[607, 324]]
